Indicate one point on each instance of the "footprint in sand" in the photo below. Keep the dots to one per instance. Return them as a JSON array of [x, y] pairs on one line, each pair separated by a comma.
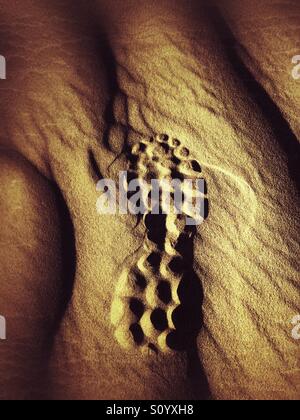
[[157, 301]]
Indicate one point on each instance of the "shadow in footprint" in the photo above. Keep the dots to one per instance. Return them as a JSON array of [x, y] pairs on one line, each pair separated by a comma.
[[187, 317]]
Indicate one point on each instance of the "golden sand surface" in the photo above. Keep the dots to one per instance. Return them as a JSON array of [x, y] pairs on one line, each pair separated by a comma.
[[87, 83]]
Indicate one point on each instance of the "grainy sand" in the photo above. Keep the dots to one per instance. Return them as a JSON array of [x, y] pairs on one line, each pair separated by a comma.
[[85, 86]]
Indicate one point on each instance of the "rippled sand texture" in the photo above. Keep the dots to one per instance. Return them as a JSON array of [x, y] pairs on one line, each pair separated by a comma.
[[86, 85]]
